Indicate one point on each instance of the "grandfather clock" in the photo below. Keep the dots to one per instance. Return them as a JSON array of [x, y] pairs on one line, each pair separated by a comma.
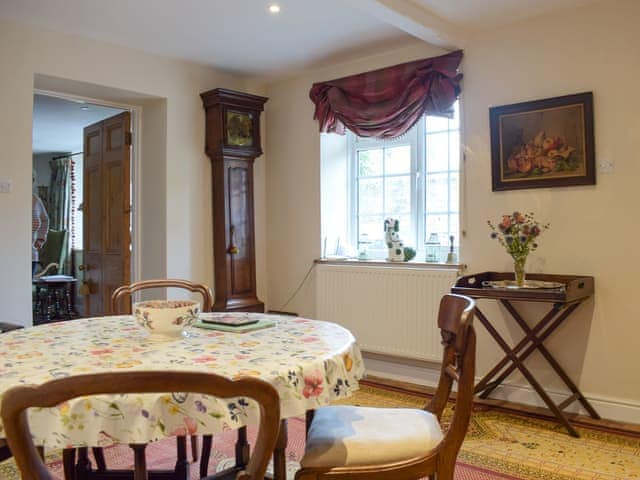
[[232, 144]]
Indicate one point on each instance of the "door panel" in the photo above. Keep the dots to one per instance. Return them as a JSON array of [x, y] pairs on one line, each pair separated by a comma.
[[113, 181], [241, 270], [92, 208], [107, 210]]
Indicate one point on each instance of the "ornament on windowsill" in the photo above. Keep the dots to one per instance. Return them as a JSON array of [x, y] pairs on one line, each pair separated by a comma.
[[392, 239]]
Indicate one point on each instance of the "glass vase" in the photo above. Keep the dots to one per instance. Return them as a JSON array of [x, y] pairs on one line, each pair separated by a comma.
[[518, 269]]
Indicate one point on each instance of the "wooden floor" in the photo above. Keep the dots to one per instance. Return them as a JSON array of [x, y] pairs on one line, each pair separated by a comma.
[[610, 425]]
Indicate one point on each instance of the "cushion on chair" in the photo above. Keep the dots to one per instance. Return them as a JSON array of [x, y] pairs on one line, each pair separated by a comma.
[[352, 436]]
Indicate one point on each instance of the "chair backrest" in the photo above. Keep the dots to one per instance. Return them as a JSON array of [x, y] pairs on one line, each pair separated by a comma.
[[127, 290], [54, 249], [455, 320], [16, 400]]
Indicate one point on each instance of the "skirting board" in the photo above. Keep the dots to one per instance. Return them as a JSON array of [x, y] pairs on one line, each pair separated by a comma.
[[427, 373]]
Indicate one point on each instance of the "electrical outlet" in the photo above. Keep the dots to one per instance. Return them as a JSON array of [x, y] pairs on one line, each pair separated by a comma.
[[605, 166], [5, 185]]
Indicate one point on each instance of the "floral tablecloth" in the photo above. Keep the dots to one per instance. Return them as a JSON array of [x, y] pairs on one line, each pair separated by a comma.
[[310, 363]]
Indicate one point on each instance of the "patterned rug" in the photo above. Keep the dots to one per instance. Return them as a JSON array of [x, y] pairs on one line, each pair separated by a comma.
[[499, 446]]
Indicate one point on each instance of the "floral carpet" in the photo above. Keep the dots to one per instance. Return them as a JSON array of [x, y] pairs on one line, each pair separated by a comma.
[[499, 446]]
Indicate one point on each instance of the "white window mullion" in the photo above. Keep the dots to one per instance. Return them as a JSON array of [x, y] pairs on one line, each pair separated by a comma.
[[411, 173]]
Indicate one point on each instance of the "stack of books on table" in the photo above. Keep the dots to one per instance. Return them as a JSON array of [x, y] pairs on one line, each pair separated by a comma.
[[233, 322]]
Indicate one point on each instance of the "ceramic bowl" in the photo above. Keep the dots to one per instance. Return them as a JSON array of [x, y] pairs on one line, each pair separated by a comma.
[[166, 318]]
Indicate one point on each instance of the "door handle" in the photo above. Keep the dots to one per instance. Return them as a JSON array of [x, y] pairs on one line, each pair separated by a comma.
[[84, 267]]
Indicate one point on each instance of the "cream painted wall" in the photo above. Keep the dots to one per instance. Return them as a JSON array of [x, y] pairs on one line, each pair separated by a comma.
[[593, 231], [28, 51], [293, 177]]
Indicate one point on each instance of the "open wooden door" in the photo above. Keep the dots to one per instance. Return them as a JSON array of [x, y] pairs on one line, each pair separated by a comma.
[[106, 208]]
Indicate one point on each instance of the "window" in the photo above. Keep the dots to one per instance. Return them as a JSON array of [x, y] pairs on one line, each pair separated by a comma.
[[414, 178]]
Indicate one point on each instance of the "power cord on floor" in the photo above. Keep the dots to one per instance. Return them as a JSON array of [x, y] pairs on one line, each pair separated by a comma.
[[299, 287]]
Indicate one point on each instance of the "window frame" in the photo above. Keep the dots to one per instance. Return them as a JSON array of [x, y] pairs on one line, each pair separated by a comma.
[[416, 138]]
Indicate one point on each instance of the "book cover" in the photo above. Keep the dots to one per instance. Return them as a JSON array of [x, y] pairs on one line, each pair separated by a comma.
[[260, 324]]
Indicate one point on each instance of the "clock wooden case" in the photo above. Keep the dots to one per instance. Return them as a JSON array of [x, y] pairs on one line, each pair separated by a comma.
[[232, 144]]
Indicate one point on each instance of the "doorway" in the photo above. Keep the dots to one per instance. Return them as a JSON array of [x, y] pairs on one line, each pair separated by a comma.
[[81, 176]]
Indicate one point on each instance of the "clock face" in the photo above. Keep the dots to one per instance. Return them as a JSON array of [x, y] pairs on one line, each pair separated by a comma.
[[239, 128]]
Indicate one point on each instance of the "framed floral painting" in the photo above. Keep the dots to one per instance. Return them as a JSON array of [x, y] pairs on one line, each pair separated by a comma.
[[543, 143]]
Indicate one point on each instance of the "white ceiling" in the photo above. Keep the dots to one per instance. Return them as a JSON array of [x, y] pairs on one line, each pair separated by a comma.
[[241, 36], [482, 14], [58, 123]]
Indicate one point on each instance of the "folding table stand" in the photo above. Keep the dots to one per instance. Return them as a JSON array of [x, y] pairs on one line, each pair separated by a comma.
[[564, 299]]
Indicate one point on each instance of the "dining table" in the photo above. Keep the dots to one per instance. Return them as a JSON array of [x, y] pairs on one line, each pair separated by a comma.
[[311, 363]]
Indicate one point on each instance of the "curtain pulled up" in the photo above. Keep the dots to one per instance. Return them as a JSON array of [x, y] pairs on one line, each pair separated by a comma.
[[386, 103], [60, 201]]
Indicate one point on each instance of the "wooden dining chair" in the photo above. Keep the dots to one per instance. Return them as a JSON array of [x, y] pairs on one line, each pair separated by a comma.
[[127, 291], [358, 443], [5, 452], [17, 400]]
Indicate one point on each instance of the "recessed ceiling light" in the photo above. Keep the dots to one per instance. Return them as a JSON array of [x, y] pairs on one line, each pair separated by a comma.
[[84, 108], [274, 8]]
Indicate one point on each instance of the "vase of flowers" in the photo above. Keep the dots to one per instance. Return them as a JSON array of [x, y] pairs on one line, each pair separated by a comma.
[[518, 234]]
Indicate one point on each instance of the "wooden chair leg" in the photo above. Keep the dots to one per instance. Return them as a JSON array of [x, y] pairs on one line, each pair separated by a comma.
[[194, 447], [83, 467], [139, 461], [308, 419], [279, 458], [68, 463], [98, 454], [181, 470], [207, 441]]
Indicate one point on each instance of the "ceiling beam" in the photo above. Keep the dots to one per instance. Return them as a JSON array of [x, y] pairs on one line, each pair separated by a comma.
[[415, 20]]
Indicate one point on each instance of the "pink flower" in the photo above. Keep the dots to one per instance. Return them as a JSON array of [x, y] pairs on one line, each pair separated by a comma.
[[101, 352], [313, 385], [205, 359]]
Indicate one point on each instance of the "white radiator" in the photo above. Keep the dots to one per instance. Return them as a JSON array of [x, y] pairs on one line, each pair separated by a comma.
[[389, 310]]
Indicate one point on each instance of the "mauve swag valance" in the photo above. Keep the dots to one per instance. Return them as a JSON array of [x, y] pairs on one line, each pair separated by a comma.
[[386, 103]]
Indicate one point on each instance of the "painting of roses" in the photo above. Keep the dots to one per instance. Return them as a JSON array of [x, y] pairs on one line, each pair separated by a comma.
[[543, 143]]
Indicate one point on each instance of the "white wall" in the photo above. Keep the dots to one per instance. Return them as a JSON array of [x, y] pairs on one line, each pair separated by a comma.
[[593, 228], [29, 51]]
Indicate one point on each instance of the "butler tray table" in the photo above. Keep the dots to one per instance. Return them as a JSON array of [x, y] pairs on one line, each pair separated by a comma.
[[565, 293]]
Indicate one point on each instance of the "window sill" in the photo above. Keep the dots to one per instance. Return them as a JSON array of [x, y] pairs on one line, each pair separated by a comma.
[[386, 264]]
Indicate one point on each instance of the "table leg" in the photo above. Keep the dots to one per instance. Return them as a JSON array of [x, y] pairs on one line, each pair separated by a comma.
[[49, 305], [38, 314], [577, 394], [69, 304], [207, 441], [535, 342], [279, 453], [517, 363], [529, 338], [243, 450], [483, 384], [98, 454]]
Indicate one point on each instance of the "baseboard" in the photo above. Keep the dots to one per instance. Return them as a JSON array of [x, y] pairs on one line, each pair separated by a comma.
[[427, 374]]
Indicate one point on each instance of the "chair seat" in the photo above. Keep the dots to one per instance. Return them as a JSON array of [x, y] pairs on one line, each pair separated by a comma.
[[355, 436]]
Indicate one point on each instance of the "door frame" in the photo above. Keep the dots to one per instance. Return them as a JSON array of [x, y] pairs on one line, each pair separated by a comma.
[[136, 128]]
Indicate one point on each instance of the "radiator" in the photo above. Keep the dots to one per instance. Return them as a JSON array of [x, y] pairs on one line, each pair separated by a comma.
[[391, 311]]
